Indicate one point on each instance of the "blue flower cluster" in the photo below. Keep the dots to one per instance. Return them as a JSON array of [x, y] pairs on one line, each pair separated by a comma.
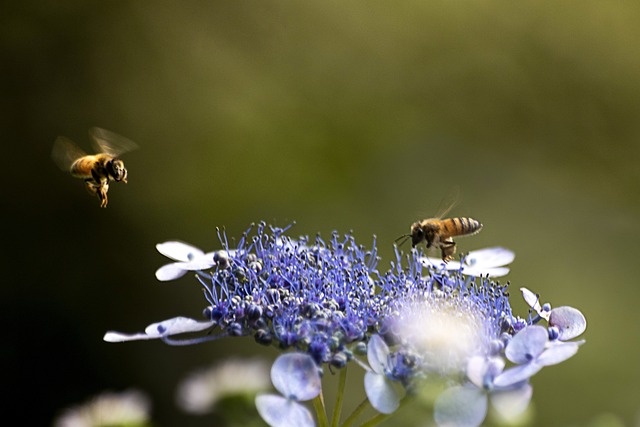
[[328, 303], [316, 298]]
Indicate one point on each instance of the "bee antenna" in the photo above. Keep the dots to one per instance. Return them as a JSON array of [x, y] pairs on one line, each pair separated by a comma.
[[404, 238]]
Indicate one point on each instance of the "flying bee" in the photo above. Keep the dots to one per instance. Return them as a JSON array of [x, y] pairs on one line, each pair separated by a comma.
[[439, 233], [99, 169]]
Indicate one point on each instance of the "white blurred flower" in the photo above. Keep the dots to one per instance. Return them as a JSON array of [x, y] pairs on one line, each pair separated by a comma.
[[129, 408], [445, 333], [202, 390], [483, 262]]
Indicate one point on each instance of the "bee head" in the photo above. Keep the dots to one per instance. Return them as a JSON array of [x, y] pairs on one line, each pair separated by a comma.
[[116, 169], [417, 234]]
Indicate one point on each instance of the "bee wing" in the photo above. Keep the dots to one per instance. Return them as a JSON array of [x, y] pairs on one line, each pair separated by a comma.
[[490, 257], [65, 152], [448, 203], [109, 142]]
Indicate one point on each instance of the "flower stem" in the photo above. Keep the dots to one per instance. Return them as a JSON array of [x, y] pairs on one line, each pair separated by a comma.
[[337, 410], [356, 413], [377, 419], [321, 413]]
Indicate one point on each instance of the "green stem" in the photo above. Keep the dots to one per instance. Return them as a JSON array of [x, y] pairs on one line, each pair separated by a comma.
[[321, 413], [356, 413], [377, 419], [337, 411]]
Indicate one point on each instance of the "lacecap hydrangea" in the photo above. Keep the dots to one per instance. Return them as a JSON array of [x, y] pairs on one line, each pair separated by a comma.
[[326, 305]]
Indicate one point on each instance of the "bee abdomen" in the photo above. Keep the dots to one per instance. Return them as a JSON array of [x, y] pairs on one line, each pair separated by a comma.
[[81, 168], [461, 226]]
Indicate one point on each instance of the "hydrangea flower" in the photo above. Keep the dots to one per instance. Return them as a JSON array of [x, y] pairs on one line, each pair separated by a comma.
[[323, 303], [127, 408], [204, 389], [530, 349], [467, 404], [378, 381], [297, 377]]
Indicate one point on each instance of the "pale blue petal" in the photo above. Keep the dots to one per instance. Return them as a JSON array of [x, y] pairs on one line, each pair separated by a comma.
[[482, 371], [176, 325], [569, 321], [511, 404], [527, 344], [296, 376], [381, 393], [280, 412], [171, 271], [377, 354], [517, 374], [490, 257], [178, 251], [558, 352], [476, 370], [460, 407]]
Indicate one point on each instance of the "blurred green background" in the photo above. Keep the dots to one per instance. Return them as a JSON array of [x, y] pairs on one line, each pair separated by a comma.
[[342, 116]]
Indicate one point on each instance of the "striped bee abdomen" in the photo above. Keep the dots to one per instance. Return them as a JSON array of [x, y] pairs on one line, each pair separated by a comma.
[[461, 226]]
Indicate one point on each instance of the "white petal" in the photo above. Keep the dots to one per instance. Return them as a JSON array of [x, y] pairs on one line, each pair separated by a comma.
[[511, 404], [479, 270], [112, 336], [460, 407], [176, 325], [531, 299], [200, 263], [178, 251], [381, 393], [280, 412], [490, 257], [171, 271]]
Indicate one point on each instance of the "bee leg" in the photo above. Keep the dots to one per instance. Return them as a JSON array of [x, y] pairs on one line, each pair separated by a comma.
[[98, 189], [91, 186], [448, 248], [102, 194], [101, 191]]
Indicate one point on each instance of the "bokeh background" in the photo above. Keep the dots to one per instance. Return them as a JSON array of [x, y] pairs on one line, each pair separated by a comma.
[[342, 116]]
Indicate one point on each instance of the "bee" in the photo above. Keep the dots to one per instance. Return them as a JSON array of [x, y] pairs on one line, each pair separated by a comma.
[[99, 169], [439, 233]]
